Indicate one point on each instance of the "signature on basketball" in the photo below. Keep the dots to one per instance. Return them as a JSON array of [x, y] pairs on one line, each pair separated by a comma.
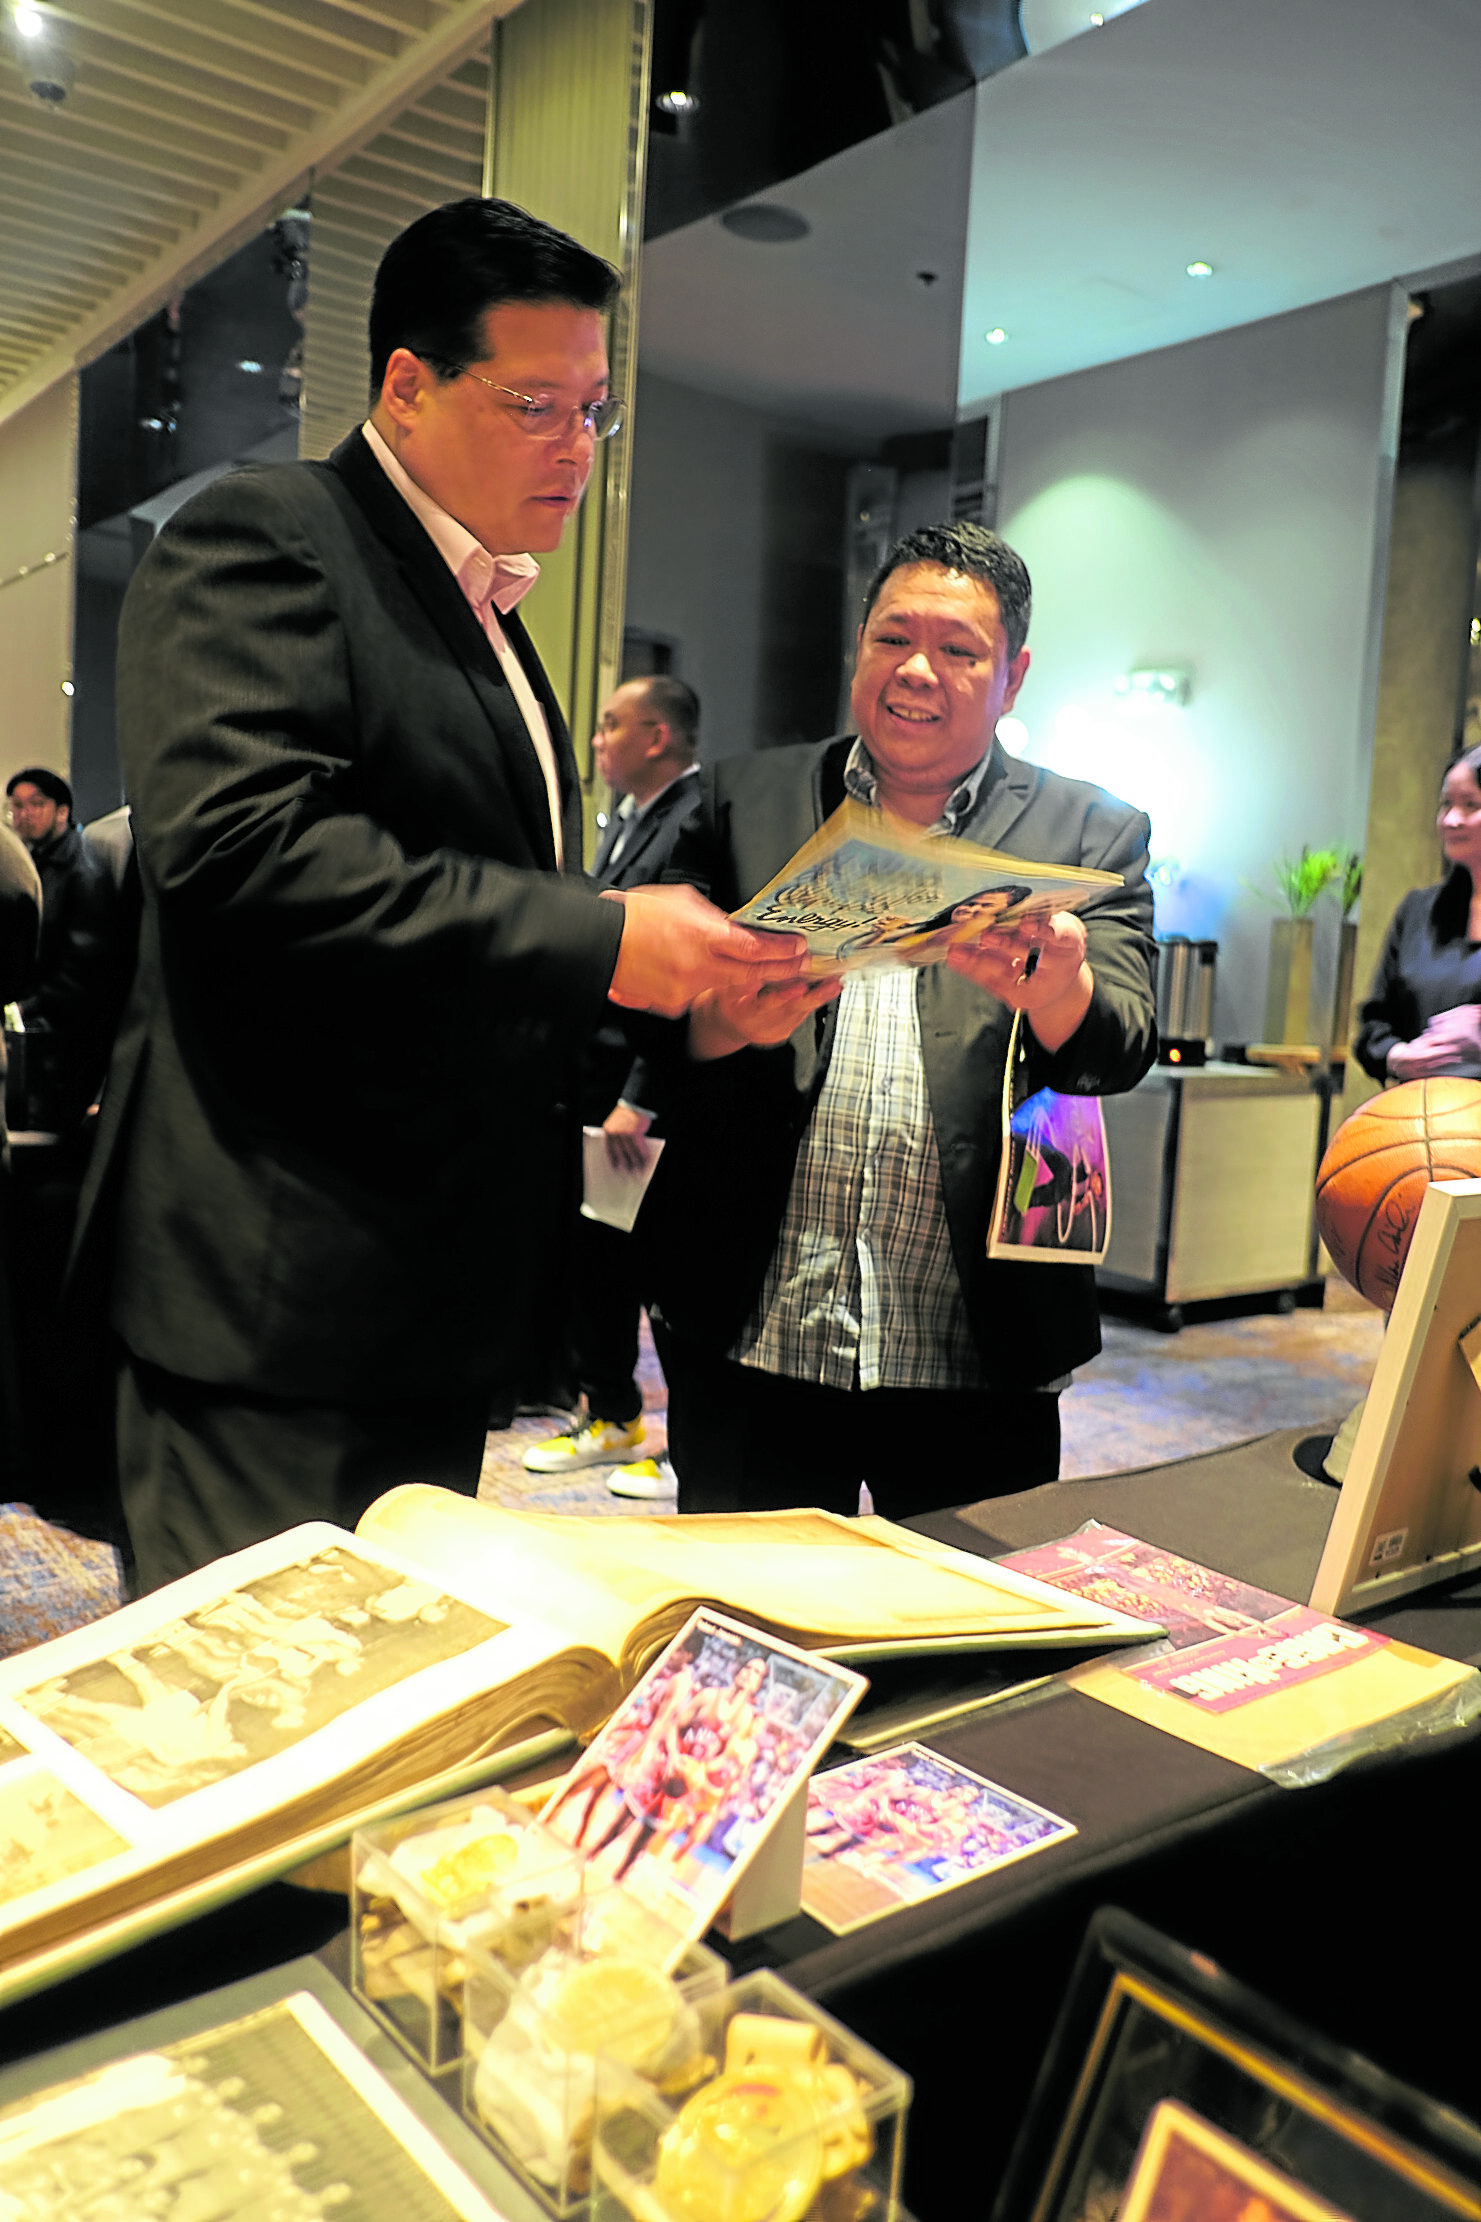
[[1391, 1232]]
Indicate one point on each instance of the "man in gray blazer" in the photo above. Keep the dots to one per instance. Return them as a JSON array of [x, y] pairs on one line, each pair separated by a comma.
[[826, 1312], [332, 1142]]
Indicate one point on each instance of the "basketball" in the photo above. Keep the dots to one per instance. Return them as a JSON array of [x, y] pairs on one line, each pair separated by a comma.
[[1371, 1183]]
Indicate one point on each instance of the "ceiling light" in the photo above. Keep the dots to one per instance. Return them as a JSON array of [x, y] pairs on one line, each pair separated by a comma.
[[766, 223], [996, 336], [248, 365], [30, 22], [676, 104], [68, 688], [1200, 269]]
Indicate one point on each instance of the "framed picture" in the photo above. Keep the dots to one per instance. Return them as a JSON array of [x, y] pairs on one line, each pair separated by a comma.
[[1170, 2090], [1410, 1509]]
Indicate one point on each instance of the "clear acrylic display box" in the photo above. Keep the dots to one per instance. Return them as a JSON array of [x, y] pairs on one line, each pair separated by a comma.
[[425, 1885], [618, 1982], [786, 2116]]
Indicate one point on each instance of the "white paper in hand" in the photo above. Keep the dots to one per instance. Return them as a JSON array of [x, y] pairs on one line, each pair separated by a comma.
[[612, 1193]]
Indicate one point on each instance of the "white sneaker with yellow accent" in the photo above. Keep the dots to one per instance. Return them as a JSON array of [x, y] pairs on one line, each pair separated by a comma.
[[584, 1443], [650, 1477]]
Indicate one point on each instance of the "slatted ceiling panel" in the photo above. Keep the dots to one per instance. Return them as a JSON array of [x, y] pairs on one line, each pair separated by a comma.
[[433, 152], [190, 123]]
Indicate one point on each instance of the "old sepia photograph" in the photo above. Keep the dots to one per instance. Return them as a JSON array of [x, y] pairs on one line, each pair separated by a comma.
[[240, 1680]]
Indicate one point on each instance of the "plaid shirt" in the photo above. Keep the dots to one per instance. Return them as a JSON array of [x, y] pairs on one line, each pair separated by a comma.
[[862, 1290]]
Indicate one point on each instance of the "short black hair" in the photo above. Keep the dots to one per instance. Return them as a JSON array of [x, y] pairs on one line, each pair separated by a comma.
[[48, 783], [670, 702], [439, 278], [970, 547]]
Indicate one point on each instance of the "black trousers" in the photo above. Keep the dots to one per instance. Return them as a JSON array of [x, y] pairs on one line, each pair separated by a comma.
[[607, 1321], [205, 1469], [745, 1441]]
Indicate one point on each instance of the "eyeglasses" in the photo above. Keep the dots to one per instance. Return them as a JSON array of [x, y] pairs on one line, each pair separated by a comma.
[[547, 420]]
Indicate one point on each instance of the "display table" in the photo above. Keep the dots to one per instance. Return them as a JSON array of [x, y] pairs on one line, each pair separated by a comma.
[[1212, 1172], [1334, 1900]]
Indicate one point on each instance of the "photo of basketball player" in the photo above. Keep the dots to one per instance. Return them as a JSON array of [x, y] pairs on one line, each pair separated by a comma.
[[678, 1790], [896, 1827]]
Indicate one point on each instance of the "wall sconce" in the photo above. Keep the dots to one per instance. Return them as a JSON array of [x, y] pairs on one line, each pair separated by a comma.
[[1164, 689]]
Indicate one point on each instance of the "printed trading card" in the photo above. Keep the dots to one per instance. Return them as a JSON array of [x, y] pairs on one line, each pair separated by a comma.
[[904, 1824], [1184, 2166], [676, 1795]]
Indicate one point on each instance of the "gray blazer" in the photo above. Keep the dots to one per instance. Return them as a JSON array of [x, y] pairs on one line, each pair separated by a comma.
[[711, 1218], [329, 1135]]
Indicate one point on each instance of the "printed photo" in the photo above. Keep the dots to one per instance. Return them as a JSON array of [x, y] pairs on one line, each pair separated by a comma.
[[47, 1835], [1054, 1189], [676, 1793], [276, 2116], [246, 1677], [902, 1825], [1186, 2167]]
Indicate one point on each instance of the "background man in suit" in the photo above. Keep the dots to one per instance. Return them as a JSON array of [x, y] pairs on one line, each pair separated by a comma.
[[72, 1006], [368, 955], [645, 751], [825, 1311]]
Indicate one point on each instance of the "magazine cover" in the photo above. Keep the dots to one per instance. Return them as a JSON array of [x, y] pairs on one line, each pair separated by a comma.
[[872, 889], [677, 1794], [1053, 1202], [902, 1825]]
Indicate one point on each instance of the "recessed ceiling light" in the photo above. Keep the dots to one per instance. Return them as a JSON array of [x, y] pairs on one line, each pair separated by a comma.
[[1096, 19], [996, 336], [676, 104], [68, 688], [30, 22], [766, 223], [248, 364], [1200, 269]]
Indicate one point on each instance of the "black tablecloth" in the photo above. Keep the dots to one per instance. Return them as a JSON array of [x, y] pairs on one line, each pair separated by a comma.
[[1336, 1901]]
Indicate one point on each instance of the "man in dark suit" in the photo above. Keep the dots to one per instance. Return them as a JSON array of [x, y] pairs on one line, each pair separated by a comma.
[[368, 955], [645, 751], [824, 1306]]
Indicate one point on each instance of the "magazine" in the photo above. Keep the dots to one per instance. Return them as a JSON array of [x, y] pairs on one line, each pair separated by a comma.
[[872, 889]]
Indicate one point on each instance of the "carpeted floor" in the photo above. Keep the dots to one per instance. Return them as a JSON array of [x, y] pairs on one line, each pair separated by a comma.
[[50, 1580], [1148, 1398]]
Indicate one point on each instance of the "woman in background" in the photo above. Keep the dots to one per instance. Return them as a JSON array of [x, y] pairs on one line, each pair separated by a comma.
[[1423, 1013]]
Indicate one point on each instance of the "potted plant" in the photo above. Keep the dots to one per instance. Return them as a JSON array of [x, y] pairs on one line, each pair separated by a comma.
[[1288, 985]]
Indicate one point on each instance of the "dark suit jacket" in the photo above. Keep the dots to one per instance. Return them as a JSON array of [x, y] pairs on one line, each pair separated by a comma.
[[710, 1221], [609, 1066], [361, 983]]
